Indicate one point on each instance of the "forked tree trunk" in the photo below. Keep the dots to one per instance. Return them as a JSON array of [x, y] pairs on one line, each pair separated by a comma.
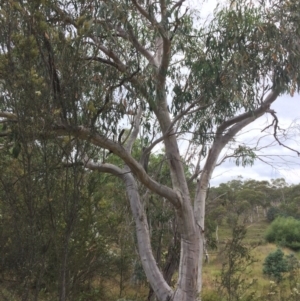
[[190, 220]]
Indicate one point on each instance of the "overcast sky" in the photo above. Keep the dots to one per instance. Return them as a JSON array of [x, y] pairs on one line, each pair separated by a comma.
[[280, 162]]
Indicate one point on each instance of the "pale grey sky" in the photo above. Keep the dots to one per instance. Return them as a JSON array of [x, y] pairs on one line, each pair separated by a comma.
[[281, 162]]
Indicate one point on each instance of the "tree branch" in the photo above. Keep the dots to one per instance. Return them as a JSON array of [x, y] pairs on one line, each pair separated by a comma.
[[8, 115], [138, 46], [104, 167], [136, 168], [116, 148], [111, 54], [244, 119], [151, 269], [237, 124], [164, 63], [220, 141], [177, 4], [275, 126], [197, 169], [183, 113], [129, 36], [135, 132], [101, 60], [163, 10], [256, 113], [154, 275], [144, 13], [151, 19]]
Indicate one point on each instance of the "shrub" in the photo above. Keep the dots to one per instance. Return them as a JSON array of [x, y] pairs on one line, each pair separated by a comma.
[[285, 232], [275, 265], [233, 284]]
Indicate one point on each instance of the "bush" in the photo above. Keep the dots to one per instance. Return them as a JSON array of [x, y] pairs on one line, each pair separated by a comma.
[[275, 265], [285, 232]]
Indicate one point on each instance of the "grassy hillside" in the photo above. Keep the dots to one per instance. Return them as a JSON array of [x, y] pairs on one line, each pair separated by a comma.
[[254, 239]]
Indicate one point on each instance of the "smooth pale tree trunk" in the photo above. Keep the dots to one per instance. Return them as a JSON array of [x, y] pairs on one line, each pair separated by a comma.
[[186, 289], [154, 275], [199, 209]]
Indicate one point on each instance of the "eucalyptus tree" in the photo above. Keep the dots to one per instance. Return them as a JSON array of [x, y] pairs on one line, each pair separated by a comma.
[[81, 72]]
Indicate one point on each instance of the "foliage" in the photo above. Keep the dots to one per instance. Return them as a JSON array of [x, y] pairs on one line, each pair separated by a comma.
[[283, 291], [288, 288], [285, 232], [56, 227], [273, 213], [276, 265], [233, 283]]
